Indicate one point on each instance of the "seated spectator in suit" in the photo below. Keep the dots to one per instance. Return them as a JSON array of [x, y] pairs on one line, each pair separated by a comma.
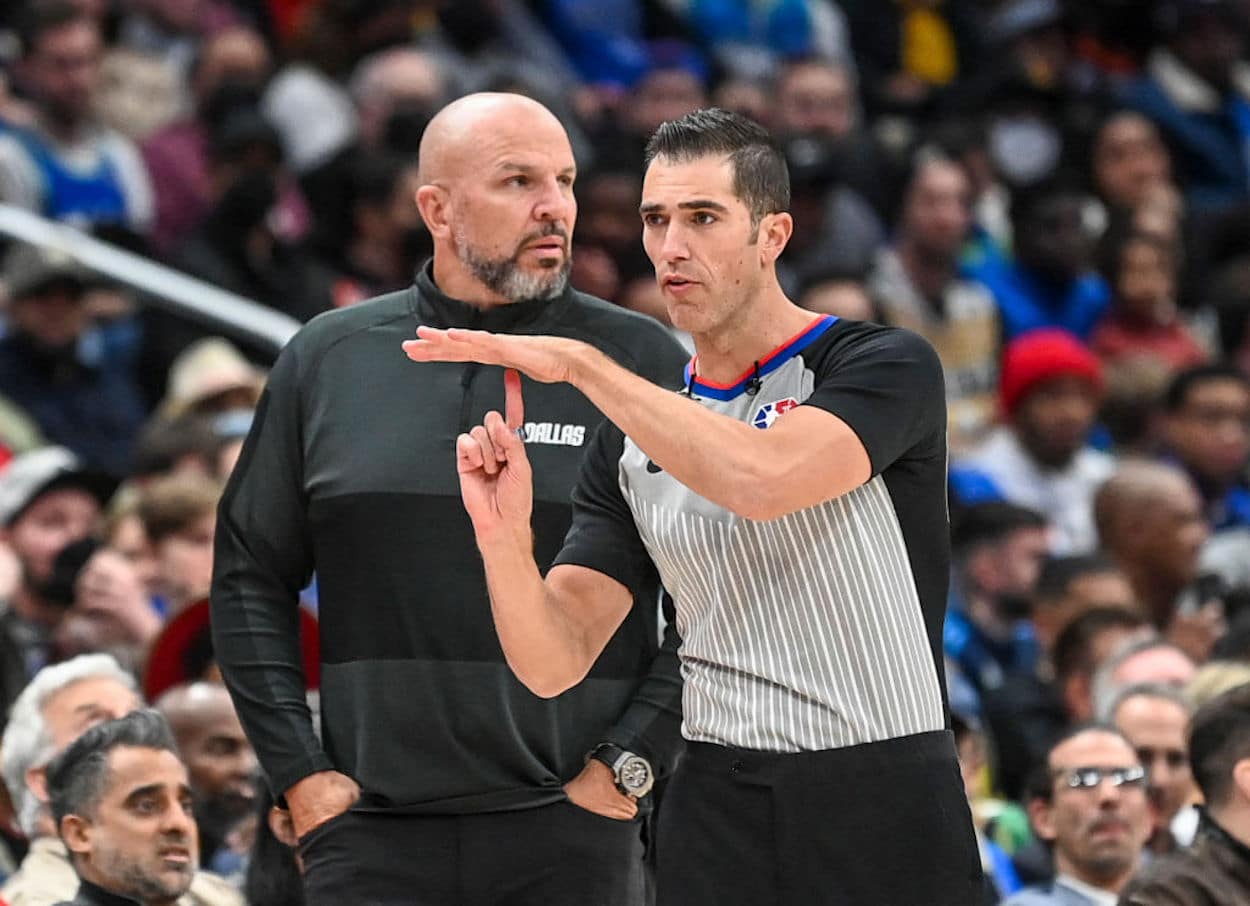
[[1090, 802]]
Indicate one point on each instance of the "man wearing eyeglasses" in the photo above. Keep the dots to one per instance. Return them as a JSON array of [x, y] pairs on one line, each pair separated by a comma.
[[1093, 809]]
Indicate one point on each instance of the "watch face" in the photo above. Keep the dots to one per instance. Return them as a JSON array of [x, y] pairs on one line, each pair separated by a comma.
[[635, 774]]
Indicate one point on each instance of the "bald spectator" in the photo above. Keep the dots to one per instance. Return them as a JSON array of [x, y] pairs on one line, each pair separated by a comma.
[[396, 92], [1091, 805], [66, 166], [1153, 661], [1154, 718], [1215, 870], [1150, 521], [219, 759], [1050, 388], [60, 704], [917, 283], [230, 68]]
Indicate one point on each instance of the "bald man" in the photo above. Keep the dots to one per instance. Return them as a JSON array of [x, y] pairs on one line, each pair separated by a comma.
[[1150, 521], [439, 777], [220, 761]]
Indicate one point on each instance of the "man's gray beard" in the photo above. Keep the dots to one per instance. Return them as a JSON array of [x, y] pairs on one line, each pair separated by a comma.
[[507, 278], [132, 882]]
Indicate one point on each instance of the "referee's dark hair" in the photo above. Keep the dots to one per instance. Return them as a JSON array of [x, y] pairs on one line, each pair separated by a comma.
[[1219, 738], [761, 179], [78, 777]]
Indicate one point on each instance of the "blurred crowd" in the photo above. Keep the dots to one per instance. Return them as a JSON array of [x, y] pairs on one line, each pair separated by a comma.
[[1056, 194]]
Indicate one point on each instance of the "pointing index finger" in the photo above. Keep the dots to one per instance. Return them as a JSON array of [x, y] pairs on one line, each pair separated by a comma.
[[514, 405]]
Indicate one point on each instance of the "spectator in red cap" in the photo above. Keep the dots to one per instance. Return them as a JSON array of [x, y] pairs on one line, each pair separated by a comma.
[[1049, 392]]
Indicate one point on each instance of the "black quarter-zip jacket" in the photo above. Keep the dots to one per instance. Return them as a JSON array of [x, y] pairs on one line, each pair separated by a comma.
[[349, 470]]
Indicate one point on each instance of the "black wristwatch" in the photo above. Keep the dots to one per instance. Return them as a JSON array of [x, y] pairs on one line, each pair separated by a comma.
[[632, 773]]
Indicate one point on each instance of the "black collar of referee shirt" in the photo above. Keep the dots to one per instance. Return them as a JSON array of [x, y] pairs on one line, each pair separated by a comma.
[[436, 309]]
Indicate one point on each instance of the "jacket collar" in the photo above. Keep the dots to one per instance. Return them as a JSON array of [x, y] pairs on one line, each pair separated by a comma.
[[93, 895], [434, 307], [1234, 846]]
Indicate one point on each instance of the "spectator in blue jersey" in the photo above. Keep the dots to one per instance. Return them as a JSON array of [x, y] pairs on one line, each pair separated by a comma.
[[1196, 89], [1051, 282], [67, 165], [997, 551], [1206, 428], [789, 499]]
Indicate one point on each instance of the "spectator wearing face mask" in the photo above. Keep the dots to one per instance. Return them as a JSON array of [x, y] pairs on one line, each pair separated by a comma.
[[997, 552], [238, 246], [229, 68]]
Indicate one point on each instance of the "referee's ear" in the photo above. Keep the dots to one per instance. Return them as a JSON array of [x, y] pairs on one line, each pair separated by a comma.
[[774, 234]]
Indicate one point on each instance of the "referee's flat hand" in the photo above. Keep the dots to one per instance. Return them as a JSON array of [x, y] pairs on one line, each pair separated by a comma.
[[317, 798]]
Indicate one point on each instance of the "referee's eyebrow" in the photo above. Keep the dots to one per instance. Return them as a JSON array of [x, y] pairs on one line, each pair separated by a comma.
[[697, 204]]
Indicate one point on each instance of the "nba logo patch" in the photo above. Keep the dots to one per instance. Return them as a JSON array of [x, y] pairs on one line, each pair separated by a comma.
[[770, 412]]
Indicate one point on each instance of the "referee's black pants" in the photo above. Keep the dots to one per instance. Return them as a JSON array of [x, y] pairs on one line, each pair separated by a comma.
[[881, 824], [550, 856]]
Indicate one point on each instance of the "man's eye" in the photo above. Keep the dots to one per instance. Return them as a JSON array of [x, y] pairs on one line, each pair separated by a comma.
[[703, 218], [653, 219], [520, 181]]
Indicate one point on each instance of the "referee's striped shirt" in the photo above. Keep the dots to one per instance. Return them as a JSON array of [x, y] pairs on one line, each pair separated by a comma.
[[821, 629]]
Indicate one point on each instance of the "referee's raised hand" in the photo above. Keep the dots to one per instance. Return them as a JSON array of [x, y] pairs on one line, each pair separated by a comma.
[[496, 482]]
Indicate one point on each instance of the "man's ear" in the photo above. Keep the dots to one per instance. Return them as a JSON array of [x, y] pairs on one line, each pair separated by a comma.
[[76, 832], [432, 204], [1241, 778], [37, 780], [775, 231], [1041, 815]]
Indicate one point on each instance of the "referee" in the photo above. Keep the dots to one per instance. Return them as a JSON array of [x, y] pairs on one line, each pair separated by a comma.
[[793, 499]]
